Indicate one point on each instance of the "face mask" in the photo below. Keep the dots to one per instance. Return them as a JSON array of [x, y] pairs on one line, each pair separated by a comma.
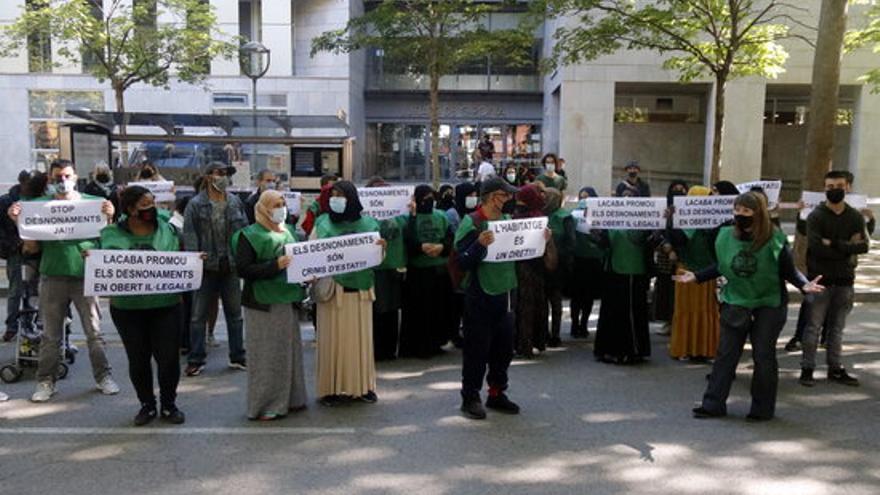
[[51, 190], [582, 204], [279, 215], [509, 206], [743, 222], [470, 202], [835, 196], [550, 167], [426, 206], [220, 183], [511, 178], [633, 175], [102, 178], [65, 186], [337, 204], [146, 173], [269, 186], [147, 215]]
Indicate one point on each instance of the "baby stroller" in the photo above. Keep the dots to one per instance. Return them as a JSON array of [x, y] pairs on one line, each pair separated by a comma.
[[30, 329]]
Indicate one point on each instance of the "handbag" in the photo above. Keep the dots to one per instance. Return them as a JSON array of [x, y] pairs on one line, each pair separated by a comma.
[[322, 290]]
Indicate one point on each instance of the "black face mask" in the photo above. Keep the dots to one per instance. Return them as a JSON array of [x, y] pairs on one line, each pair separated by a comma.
[[102, 178], [147, 215], [835, 196], [509, 207], [426, 206], [633, 175], [743, 222], [146, 173]]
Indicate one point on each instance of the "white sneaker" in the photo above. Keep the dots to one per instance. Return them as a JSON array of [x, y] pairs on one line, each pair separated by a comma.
[[3, 397], [107, 386], [44, 392], [212, 342]]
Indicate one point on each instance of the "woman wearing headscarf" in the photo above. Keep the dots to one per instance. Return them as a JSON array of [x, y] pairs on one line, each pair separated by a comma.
[[346, 367], [467, 199], [587, 274], [426, 324], [753, 255], [530, 306], [695, 320], [561, 224], [276, 381], [666, 258], [148, 173], [446, 198], [622, 333]]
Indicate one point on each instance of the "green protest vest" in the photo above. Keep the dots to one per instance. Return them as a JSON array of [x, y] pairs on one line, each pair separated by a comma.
[[64, 258], [627, 252], [556, 224], [430, 228], [494, 278], [326, 228], [752, 277], [268, 246], [697, 255], [163, 238], [395, 254]]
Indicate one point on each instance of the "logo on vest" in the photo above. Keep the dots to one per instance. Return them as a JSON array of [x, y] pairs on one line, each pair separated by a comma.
[[744, 264]]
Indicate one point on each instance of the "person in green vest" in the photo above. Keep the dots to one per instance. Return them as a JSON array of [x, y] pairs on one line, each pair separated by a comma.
[[622, 332], [427, 324], [586, 282], [346, 367], [276, 380], [550, 177], [561, 224], [62, 270], [149, 325], [488, 317], [754, 257], [318, 206], [388, 285]]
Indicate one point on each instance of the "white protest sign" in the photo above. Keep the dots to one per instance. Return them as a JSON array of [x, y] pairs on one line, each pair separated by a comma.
[[59, 220], [293, 200], [332, 256], [812, 199], [383, 203], [580, 221], [517, 240], [242, 177], [133, 273], [163, 190], [702, 212], [626, 213], [771, 188]]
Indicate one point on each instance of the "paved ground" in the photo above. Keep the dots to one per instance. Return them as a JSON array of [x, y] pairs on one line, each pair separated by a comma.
[[586, 428]]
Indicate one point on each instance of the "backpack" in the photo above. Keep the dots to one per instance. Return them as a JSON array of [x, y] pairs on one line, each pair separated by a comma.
[[456, 274]]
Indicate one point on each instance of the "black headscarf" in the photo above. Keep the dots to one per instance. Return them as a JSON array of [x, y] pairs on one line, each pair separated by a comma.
[[590, 192], [419, 195], [353, 206], [675, 182], [462, 191], [445, 202], [726, 188]]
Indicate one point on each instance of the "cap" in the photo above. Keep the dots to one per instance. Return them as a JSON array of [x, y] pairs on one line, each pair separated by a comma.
[[633, 164], [495, 183], [211, 167]]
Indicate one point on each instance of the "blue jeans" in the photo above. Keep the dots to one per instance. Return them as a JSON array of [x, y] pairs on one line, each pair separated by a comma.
[[228, 288]]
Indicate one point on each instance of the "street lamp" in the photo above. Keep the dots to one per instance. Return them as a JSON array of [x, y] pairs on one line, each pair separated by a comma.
[[254, 59]]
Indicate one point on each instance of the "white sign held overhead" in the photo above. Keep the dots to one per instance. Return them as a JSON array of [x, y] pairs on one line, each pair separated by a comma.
[[333, 256], [59, 220], [813, 199], [702, 212], [515, 240], [383, 203], [626, 213], [771, 188], [137, 273], [162, 190]]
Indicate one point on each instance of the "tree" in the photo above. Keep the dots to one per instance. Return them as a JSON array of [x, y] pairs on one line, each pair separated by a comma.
[[868, 35], [824, 93], [429, 38], [125, 42], [722, 39]]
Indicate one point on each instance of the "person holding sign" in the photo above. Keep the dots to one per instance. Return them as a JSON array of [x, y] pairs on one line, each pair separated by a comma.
[[587, 274], [754, 257], [61, 282], [488, 318], [276, 380], [149, 325], [426, 324], [346, 368]]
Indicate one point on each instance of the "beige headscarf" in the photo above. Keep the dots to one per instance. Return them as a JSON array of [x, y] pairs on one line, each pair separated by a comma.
[[263, 210], [552, 200]]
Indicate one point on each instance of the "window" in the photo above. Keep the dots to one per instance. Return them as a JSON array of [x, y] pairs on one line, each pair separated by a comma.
[[39, 42], [267, 103], [639, 108], [48, 110], [795, 111], [90, 59], [250, 20]]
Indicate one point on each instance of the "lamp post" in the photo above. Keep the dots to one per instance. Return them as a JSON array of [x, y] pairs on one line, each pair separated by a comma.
[[254, 59]]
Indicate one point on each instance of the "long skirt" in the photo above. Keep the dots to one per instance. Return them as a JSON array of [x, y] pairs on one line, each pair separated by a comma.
[[530, 307], [345, 344], [622, 332], [696, 322], [426, 321], [663, 302], [586, 289], [276, 380]]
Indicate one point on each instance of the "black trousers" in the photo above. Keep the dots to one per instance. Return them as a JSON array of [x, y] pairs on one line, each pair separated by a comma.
[[151, 334], [488, 340]]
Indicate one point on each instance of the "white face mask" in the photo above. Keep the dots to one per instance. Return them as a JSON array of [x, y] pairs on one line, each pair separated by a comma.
[[279, 215], [337, 204], [511, 177], [550, 167], [470, 202], [269, 186], [65, 186]]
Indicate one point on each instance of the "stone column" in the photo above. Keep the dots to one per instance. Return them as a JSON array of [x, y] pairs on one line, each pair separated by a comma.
[[586, 134]]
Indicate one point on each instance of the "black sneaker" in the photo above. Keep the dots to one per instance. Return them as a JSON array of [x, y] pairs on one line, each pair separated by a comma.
[[473, 408], [806, 378], [173, 415], [554, 342], [331, 400], [145, 415], [194, 369], [240, 365], [754, 418], [793, 345], [840, 376], [370, 397], [703, 413], [502, 404], [9, 335]]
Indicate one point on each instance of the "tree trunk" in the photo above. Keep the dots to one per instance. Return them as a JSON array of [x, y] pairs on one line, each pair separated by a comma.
[[720, 91], [824, 94], [435, 129], [119, 93]]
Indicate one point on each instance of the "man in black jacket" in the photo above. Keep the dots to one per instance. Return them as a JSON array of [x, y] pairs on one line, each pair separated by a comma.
[[836, 234], [10, 250], [265, 180]]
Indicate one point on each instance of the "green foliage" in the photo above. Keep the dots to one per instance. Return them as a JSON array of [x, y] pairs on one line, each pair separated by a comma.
[[123, 43], [868, 35], [727, 38]]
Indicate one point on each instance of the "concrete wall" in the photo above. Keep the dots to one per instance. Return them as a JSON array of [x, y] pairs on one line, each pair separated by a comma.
[[665, 151], [783, 153]]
